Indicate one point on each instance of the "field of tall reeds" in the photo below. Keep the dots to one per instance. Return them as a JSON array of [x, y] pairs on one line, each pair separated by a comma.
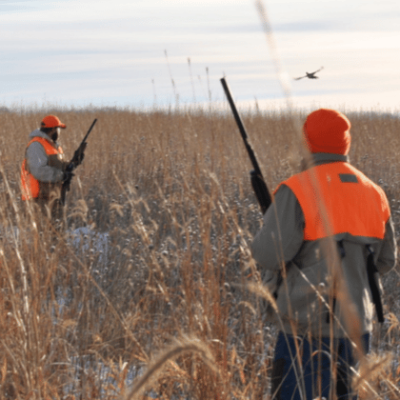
[[146, 291]]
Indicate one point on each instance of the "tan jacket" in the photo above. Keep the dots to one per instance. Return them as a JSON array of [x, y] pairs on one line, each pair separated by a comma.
[[281, 242]]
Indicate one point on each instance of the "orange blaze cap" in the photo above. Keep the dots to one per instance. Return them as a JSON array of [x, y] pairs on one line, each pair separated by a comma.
[[51, 121], [327, 131]]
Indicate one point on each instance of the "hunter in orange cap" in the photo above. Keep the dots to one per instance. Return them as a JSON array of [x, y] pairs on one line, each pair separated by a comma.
[[44, 168], [290, 252]]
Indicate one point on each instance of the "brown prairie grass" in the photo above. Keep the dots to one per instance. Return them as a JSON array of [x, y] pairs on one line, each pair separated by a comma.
[[171, 190]]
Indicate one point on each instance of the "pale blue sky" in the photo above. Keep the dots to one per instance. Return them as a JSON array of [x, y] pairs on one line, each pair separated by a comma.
[[107, 53]]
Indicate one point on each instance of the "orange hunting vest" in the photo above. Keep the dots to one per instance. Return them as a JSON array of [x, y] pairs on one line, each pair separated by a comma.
[[30, 186], [353, 203]]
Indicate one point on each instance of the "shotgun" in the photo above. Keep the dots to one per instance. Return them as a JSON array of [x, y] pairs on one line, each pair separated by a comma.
[[74, 163], [257, 180]]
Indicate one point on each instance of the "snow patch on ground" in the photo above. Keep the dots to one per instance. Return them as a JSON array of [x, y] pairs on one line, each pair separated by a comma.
[[88, 241]]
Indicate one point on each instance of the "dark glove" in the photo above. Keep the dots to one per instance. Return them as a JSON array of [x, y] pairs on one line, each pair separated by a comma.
[[68, 175], [79, 155]]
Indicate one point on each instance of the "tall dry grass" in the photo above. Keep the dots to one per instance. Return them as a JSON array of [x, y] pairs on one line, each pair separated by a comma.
[[171, 191]]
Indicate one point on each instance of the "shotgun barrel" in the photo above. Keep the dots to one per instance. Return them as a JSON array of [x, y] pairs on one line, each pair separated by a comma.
[[257, 180]]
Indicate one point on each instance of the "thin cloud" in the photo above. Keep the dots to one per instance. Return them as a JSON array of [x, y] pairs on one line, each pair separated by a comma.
[[105, 51]]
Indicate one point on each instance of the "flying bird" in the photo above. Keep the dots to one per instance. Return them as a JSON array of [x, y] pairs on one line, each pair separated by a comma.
[[309, 75]]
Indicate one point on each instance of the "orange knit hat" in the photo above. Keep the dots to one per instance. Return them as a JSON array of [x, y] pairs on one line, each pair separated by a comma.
[[327, 131]]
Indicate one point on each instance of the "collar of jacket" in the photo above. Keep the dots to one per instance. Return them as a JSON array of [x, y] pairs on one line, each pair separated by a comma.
[[39, 133], [324, 158]]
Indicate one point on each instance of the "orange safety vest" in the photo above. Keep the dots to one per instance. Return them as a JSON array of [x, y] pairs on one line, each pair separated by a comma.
[[30, 186], [353, 203]]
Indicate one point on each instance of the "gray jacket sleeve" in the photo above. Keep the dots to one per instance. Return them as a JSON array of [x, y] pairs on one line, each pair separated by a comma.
[[388, 253], [281, 235], [37, 160]]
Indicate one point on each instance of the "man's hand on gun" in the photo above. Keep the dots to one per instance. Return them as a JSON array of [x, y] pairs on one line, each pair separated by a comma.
[[77, 159], [79, 155], [68, 175]]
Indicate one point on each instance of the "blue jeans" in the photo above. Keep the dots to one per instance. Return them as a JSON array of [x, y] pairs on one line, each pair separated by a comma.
[[313, 377]]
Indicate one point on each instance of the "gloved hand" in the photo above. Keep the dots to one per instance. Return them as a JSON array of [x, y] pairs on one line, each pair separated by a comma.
[[79, 155], [68, 175]]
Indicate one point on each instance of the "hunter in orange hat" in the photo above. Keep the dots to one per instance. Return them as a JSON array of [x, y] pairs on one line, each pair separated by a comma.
[[44, 168], [289, 250]]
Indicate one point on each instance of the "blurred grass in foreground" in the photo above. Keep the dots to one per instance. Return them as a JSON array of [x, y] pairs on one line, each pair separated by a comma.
[[170, 192]]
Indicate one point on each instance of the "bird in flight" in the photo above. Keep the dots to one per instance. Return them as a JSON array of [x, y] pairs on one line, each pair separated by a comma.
[[310, 75]]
